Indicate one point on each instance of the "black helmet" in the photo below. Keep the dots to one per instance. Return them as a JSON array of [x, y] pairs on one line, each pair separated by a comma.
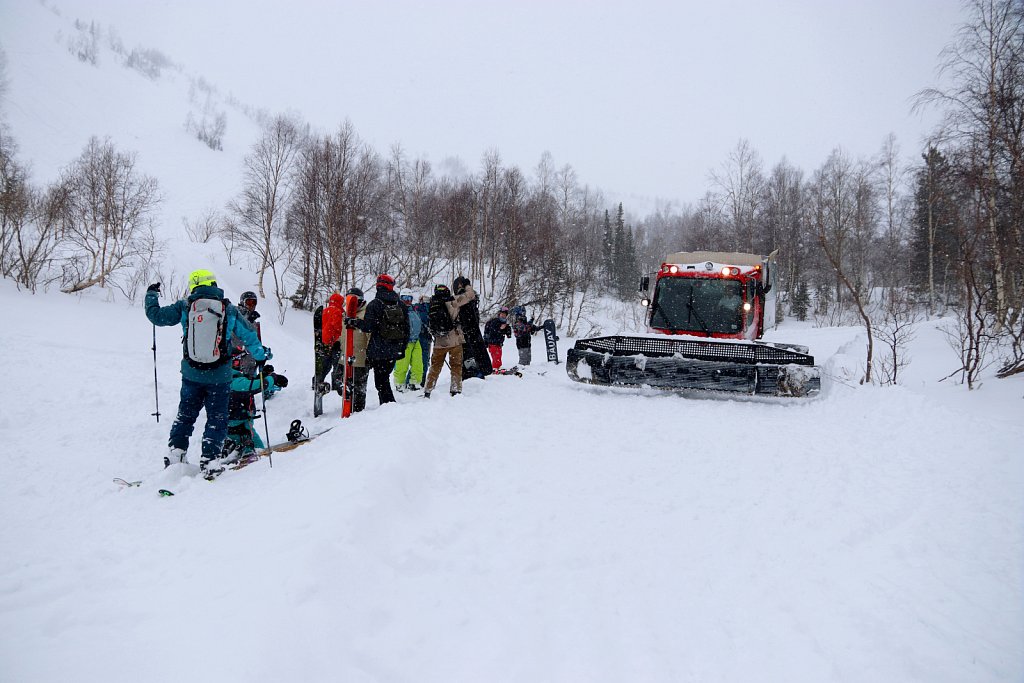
[[443, 293], [358, 292], [248, 296]]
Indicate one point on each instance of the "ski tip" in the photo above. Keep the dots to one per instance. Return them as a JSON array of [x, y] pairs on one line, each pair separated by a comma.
[[164, 493]]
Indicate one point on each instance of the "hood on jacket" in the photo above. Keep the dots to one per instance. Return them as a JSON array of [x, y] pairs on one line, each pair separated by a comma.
[[336, 300], [386, 295], [206, 292]]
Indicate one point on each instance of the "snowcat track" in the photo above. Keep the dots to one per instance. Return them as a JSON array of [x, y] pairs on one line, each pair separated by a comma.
[[751, 368]]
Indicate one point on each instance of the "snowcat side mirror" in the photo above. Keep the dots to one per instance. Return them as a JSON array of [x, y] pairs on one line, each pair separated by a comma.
[[645, 282]]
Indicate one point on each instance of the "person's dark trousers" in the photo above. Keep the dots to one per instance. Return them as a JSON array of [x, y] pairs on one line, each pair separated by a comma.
[[382, 370], [332, 364], [425, 348], [195, 397], [360, 376]]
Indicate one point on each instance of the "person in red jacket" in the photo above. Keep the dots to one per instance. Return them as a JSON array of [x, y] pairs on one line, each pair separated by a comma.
[[332, 324]]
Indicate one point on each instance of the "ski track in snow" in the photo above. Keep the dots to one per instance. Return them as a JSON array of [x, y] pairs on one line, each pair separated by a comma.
[[532, 529]]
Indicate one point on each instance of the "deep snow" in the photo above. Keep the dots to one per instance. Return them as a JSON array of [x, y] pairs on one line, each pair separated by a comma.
[[532, 529]]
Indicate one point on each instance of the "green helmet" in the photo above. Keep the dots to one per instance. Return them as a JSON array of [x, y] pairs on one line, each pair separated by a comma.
[[198, 278]]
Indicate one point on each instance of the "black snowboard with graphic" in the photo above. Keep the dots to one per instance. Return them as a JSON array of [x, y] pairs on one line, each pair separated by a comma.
[[321, 354], [550, 339]]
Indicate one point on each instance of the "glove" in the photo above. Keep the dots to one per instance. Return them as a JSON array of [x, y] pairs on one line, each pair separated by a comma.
[[155, 287], [281, 381], [268, 355], [268, 369]]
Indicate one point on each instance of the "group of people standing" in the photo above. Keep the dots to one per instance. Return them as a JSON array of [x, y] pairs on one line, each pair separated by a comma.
[[224, 363], [415, 341]]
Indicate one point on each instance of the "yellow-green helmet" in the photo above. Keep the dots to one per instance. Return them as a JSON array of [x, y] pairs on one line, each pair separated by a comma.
[[198, 278]]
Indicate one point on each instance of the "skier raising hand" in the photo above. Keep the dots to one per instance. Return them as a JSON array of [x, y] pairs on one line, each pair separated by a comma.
[[208, 321]]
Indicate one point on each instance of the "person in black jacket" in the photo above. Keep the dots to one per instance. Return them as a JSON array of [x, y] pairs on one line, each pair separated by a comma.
[[387, 323], [475, 361], [496, 331]]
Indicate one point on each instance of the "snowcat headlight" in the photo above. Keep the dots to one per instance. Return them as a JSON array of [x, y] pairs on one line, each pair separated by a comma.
[[726, 270], [645, 302], [746, 306], [673, 269]]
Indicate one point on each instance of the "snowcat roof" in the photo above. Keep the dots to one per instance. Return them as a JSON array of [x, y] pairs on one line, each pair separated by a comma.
[[731, 258]]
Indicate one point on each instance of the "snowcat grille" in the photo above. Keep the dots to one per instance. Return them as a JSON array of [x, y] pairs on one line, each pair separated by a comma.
[[697, 349]]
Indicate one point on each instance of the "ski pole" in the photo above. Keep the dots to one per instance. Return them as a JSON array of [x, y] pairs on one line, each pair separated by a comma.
[[266, 428], [156, 390]]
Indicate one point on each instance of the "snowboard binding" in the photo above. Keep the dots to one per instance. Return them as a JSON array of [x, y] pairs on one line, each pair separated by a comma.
[[296, 432]]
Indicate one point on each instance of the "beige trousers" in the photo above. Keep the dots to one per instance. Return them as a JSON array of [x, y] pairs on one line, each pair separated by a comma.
[[437, 357]]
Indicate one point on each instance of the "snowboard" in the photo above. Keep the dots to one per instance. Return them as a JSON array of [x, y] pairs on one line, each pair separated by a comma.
[[550, 339], [282, 447], [320, 356], [475, 359], [349, 385], [514, 370]]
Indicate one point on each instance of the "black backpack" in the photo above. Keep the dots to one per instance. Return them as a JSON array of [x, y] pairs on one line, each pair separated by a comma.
[[438, 319], [391, 325]]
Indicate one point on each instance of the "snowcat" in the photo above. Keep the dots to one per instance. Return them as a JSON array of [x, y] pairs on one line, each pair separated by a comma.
[[706, 317]]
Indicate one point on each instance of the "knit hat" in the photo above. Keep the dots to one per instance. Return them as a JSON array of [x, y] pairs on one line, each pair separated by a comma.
[[386, 281]]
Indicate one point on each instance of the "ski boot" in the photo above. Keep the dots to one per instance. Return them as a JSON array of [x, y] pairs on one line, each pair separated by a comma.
[[174, 456]]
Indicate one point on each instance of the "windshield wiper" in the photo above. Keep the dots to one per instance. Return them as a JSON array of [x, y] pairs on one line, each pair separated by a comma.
[[689, 306]]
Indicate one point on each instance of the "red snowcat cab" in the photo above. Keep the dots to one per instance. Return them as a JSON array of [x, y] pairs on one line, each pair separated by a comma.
[[706, 315]]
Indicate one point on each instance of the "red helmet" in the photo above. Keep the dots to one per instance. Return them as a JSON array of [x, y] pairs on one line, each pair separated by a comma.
[[386, 281]]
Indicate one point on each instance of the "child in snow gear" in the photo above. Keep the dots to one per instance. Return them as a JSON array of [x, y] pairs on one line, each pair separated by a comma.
[[387, 322], [496, 331], [448, 338], [207, 320], [475, 361], [522, 329], [409, 368]]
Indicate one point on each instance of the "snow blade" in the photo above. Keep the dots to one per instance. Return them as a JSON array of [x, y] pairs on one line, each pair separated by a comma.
[[688, 363]]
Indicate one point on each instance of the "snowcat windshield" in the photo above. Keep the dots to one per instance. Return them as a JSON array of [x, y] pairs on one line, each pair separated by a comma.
[[702, 306]]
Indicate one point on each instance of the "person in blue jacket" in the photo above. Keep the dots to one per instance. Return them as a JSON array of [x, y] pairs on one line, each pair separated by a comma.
[[409, 368], [206, 385], [242, 437], [422, 309]]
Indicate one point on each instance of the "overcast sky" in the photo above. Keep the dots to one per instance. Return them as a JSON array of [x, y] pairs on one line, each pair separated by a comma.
[[642, 98]]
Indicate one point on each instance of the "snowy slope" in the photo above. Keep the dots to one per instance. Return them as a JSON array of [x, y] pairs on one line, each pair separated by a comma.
[[55, 103], [532, 529]]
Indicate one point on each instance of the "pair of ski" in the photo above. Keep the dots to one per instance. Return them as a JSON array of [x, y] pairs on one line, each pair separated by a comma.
[[321, 355]]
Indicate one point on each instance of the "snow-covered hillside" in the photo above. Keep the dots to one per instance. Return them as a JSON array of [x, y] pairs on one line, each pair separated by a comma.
[[56, 102], [532, 529]]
